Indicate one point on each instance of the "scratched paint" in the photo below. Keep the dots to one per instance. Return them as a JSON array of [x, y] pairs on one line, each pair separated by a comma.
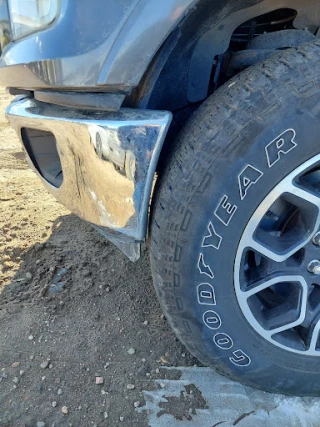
[[209, 400]]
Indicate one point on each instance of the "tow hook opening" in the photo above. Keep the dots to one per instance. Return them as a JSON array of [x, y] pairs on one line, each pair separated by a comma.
[[42, 149]]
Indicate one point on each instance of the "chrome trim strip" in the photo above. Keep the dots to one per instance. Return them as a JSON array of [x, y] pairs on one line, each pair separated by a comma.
[[108, 160]]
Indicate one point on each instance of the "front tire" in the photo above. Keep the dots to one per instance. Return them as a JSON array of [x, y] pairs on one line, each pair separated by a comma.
[[233, 220]]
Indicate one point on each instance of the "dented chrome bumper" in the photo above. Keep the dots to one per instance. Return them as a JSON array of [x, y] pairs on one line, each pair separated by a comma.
[[107, 161]]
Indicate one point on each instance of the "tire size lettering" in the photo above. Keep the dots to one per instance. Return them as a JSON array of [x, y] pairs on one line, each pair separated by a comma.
[[240, 358], [225, 210], [281, 145], [223, 341], [212, 239], [224, 213], [212, 320], [248, 177], [204, 268], [206, 295]]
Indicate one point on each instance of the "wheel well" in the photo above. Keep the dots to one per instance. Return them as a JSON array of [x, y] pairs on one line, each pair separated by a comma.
[[180, 72], [195, 59]]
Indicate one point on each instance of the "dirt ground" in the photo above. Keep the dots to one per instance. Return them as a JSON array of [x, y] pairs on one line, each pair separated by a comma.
[[83, 341], [72, 309]]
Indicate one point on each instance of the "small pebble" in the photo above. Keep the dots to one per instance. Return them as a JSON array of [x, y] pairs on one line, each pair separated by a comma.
[[130, 386], [183, 355], [15, 364], [65, 410], [50, 366], [59, 391], [143, 360], [131, 351], [162, 385], [43, 378], [54, 404], [136, 404], [41, 424], [99, 380], [16, 380], [28, 275], [21, 373], [45, 364], [121, 418], [145, 322], [105, 415]]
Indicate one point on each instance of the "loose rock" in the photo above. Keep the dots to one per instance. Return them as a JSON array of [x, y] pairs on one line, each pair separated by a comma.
[[65, 410], [54, 404], [45, 364], [136, 404], [106, 415], [15, 364], [130, 386], [131, 351], [41, 424], [99, 380]]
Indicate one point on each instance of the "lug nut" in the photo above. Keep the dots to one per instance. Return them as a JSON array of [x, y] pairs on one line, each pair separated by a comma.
[[314, 267], [316, 239]]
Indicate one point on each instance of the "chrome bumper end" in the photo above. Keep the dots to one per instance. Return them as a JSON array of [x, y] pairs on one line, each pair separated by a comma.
[[107, 162]]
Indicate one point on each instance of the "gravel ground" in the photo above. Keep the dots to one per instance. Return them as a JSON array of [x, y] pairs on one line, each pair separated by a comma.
[[81, 330]]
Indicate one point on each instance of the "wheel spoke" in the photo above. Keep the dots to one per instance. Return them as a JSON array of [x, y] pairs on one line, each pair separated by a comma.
[[315, 337], [277, 253], [278, 317], [272, 254], [302, 194], [265, 284]]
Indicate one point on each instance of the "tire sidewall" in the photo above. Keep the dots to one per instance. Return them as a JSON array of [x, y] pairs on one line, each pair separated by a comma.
[[250, 149]]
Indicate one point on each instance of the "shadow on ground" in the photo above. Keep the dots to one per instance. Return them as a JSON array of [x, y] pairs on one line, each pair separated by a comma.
[[80, 304]]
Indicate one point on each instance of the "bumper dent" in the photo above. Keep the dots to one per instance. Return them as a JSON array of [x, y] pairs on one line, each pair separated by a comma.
[[108, 161]]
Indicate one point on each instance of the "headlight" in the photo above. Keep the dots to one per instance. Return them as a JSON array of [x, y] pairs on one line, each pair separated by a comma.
[[28, 16]]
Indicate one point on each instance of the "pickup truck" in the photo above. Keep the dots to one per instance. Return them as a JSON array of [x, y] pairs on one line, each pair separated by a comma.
[[192, 126]]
